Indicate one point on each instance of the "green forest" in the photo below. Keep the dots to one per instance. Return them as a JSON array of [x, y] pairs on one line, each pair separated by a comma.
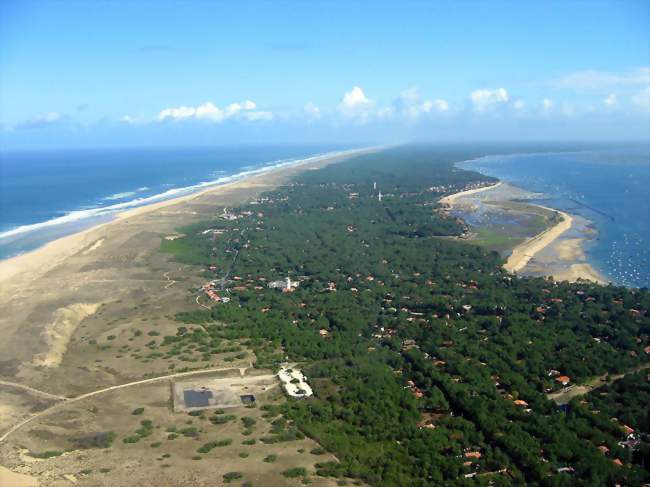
[[430, 364]]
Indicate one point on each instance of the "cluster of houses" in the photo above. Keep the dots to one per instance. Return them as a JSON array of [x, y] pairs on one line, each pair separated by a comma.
[[210, 289], [231, 216], [294, 383]]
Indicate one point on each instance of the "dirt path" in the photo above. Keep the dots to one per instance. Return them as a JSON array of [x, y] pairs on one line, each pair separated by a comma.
[[565, 395], [44, 394], [64, 403]]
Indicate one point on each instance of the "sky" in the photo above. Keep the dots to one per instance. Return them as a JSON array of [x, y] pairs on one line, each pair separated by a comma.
[[161, 73]]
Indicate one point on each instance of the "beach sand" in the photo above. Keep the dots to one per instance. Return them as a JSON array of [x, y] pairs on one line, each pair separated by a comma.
[[524, 252], [452, 198]]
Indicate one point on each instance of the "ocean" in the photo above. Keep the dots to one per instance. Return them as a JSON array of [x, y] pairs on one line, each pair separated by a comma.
[[610, 188], [45, 195]]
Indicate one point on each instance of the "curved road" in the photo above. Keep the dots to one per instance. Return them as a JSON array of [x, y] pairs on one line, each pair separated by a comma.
[[66, 401]]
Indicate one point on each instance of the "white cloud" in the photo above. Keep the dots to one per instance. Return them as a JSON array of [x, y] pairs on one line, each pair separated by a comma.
[[49, 117], [410, 105], [610, 100], [547, 105], [484, 100], [519, 104], [209, 111], [312, 111], [354, 99], [592, 79], [441, 105], [355, 104], [642, 100], [42, 120]]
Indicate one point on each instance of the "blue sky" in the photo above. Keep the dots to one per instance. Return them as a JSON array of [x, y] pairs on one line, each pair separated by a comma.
[[110, 73]]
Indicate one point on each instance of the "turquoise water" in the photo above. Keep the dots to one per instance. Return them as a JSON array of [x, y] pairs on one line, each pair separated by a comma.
[[45, 195], [611, 188]]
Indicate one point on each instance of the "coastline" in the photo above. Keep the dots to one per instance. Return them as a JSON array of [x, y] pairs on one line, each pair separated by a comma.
[[450, 199], [52, 253], [568, 250], [524, 252]]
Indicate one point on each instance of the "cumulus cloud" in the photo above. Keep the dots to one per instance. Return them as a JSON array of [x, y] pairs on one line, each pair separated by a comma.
[[355, 98], [610, 100], [642, 99], [484, 100], [547, 105], [355, 104], [312, 111], [441, 105], [410, 105], [211, 112], [592, 79], [42, 120]]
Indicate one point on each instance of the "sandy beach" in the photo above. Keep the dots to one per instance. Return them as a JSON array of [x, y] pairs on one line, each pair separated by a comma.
[[450, 199], [51, 254], [523, 253]]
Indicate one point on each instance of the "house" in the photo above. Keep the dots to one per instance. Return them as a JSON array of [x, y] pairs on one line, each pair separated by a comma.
[[286, 286], [521, 402], [473, 454], [627, 430], [563, 379]]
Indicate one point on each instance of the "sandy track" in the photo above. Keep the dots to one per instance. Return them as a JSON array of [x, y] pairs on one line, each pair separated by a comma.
[[44, 394], [60, 405]]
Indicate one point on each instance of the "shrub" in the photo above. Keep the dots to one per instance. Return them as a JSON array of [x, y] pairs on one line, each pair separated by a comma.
[[295, 472], [48, 454], [271, 458], [232, 476], [248, 421], [131, 439]]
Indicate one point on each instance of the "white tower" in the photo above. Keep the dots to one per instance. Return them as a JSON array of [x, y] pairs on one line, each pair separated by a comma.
[[374, 186], [379, 197], [288, 282]]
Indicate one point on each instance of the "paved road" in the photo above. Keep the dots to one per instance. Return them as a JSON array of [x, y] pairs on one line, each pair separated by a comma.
[[67, 401]]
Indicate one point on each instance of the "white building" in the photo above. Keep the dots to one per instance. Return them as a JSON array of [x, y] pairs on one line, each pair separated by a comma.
[[294, 383]]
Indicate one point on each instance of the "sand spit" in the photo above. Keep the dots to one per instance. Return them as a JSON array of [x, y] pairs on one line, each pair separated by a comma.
[[569, 252], [525, 251], [449, 200]]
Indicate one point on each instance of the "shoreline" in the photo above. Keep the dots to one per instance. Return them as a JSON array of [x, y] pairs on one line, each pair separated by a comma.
[[522, 254], [525, 251], [450, 199], [48, 255]]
